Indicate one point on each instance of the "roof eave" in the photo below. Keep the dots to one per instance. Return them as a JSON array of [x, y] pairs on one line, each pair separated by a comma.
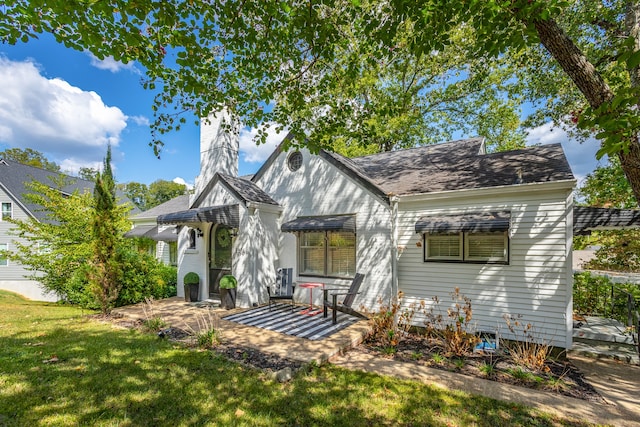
[[568, 184]]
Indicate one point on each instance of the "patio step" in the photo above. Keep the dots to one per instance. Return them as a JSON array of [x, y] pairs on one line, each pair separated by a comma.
[[601, 329], [605, 350]]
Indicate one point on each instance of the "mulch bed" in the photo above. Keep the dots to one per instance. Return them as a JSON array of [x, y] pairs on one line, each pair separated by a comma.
[[562, 377]]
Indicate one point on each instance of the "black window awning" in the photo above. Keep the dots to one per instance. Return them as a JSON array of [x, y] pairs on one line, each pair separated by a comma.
[[226, 214], [321, 223], [587, 218], [476, 222], [141, 231]]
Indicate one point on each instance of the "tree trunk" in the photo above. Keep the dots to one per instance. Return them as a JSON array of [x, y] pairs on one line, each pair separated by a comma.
[[590, 82]]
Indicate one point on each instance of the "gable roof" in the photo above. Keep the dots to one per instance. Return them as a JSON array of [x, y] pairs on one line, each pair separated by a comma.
[[246, 190], [15, 177], [454, 165], [459, 165], [242, 188]]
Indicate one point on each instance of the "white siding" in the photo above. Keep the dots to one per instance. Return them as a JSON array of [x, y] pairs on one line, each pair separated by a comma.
[[319, 188], [12, 275], [536, 283]]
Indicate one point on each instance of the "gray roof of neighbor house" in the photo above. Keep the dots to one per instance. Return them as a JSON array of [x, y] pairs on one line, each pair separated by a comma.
[[15, 177], [588, 218], [176, 204], [457, 165]]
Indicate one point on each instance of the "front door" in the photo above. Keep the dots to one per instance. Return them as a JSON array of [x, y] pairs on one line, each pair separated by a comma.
[[220, 245]]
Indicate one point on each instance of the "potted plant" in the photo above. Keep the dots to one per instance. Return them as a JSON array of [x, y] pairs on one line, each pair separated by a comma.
[[191, 287], [228, 285]]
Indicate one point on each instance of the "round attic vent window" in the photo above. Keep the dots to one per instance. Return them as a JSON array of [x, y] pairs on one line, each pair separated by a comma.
[[294, 161]]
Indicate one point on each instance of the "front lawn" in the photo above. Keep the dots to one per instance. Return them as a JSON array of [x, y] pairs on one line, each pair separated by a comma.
[[59, 367]]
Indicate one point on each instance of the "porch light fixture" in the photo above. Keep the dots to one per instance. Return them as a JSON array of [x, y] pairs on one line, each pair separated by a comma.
[[233, 233], [199, 232]]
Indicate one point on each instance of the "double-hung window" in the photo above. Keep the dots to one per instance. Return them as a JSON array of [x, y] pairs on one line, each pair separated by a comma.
[[483, 247], [326, 245], [327, 253], [7, 211], [471, 237]]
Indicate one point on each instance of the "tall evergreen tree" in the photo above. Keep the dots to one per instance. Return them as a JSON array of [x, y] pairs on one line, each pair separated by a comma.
[[106, 236]]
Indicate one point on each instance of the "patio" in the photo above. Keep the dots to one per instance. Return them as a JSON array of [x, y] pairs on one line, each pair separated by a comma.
[[260, 330]]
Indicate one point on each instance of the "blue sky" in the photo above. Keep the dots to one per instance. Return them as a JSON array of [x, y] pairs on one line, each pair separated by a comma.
[[69, 105]]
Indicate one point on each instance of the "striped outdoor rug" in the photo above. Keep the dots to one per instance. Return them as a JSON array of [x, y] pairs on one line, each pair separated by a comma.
[[281, 319]]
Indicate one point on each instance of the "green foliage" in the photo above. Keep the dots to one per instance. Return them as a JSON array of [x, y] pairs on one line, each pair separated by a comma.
[[136, 192], [361, 74], [228, 282], [598, 295], [161, 191], [607, 186], [67, 251], [142, 276], [158, 192], [107, 237], [29, 157], [191, 278], [619, 250], [57, 250]]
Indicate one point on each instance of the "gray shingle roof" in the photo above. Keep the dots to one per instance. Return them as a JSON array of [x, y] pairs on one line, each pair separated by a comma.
[[15, 176], [176, 204], [459, 165], [588, 218], [247, 190]]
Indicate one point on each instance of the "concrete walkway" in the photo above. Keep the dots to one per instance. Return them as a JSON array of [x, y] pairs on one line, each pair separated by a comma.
[[617, 382]]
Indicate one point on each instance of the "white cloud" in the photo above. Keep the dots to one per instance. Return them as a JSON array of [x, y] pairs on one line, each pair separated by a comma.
[[49, 115], [139, 120], [111, 64], [253, 153], [581, 155], [179, 180], [73, 166]]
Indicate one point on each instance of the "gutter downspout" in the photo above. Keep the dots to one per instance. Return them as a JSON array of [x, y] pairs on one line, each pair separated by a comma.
[[394, 249]]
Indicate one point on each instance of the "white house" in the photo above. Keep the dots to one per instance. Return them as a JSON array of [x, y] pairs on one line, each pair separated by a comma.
[[423, 221], [163, 238], [14, 178]]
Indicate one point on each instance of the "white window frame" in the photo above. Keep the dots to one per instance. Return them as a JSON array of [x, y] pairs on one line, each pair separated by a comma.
[[327, 254], [428, 238], [464, 248], [3, 260], [493, 235], [2, 204]]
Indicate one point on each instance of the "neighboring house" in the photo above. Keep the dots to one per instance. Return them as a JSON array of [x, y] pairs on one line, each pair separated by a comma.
[[163, 238], [14, 180], [423, 221]]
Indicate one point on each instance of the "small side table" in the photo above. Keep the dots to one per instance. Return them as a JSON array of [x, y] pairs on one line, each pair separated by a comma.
[[311, 311]]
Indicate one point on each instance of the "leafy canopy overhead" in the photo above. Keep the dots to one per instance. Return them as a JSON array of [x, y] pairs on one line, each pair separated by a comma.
[[363, 66], [341, 71]]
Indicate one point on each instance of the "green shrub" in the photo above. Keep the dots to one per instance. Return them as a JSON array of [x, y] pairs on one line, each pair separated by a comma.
[[191, 278], [143, 276]]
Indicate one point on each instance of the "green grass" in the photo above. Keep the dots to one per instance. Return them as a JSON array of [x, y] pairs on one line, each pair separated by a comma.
[[106, 376]]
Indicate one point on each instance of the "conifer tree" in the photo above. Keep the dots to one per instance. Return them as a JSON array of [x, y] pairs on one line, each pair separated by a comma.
[[106, 271]]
